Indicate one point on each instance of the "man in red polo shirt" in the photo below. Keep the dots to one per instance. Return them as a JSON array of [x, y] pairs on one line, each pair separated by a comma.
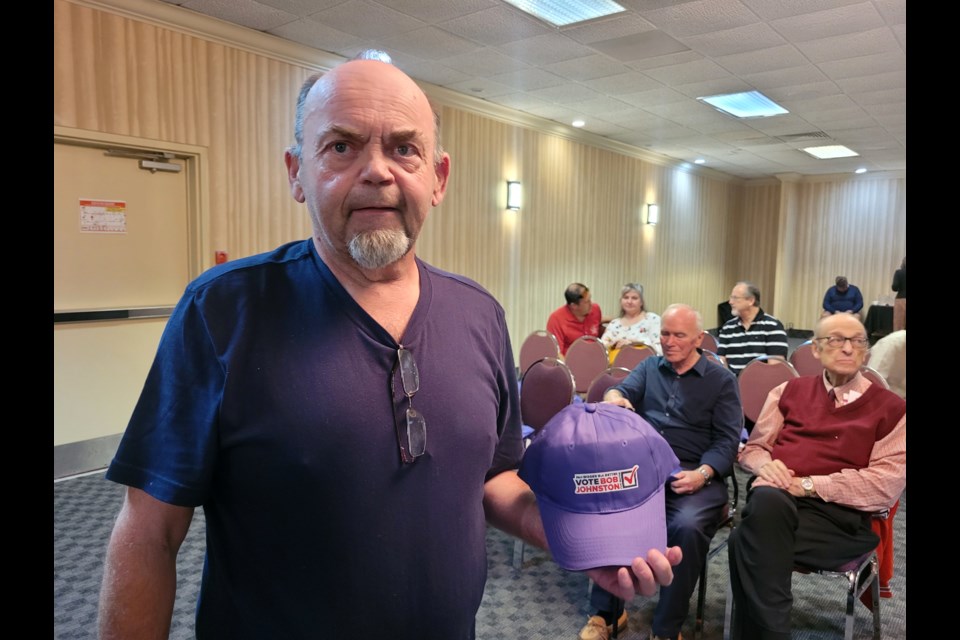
[[579, 317], [827, 451]]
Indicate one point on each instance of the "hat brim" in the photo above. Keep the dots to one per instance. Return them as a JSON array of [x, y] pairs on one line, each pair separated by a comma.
[[580, 541]]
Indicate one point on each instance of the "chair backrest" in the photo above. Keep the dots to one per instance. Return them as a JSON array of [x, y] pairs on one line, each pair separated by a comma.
[[545, 388], [758, 379], [874, 376], [710, 355], [609, 377], [587, 358], [537, 345], [630, 356], [804, 361], [709, 342]]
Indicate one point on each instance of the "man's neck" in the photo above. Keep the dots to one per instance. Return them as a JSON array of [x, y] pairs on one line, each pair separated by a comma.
[[389, 294], [838, 380], [687, 364], [578, 316], [748, 316]]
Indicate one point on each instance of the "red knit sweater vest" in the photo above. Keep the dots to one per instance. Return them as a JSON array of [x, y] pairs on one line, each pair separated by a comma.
[[819, 438]]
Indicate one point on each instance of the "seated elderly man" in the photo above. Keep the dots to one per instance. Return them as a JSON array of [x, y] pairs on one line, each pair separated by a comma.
[[826, 451], [694, 404]]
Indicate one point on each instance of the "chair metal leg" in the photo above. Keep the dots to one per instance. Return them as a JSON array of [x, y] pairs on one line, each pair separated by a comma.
[[851, 601], [701, 596], [518, 549], [875, 592], [728, 611]]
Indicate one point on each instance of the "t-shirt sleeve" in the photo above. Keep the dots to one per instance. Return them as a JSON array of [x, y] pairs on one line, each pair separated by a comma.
[[169, 447], [510, 446]]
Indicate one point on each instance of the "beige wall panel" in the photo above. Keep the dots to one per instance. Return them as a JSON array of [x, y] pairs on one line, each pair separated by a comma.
[[855, 227], [99, 369], [581, 220], [122, 76], [755, 227]]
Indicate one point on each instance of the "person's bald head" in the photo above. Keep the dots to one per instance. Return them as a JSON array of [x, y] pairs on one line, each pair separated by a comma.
[[322, 83]]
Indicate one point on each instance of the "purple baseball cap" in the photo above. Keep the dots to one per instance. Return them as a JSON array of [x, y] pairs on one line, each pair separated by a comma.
[[599, 473]]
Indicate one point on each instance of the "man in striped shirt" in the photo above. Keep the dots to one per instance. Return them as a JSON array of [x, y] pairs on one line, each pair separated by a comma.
[[750, 333]]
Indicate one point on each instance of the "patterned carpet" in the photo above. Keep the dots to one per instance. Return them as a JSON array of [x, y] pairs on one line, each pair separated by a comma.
[[538, 602]]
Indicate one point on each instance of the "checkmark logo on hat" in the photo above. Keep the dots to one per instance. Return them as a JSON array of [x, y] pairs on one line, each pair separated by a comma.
[[630, 477]]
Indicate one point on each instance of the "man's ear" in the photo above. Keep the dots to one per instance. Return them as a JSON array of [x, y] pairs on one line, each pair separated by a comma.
[[293, 175], [442, 170]]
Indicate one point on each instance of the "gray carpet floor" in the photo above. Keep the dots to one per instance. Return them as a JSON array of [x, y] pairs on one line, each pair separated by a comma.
[[539, 601]]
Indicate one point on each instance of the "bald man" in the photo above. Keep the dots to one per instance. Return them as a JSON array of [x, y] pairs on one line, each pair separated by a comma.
[[827, 451], [694, 404], [304, 399]]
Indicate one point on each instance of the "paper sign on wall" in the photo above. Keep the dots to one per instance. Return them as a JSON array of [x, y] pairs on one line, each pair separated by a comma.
[[103, 216]]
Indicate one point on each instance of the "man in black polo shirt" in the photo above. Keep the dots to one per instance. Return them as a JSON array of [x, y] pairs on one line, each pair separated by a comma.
[[750, 333]]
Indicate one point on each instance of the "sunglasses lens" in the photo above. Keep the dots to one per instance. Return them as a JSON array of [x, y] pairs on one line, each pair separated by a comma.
[[416, 433]]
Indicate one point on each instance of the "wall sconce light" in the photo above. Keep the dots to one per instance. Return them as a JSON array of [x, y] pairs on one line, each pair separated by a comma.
[[513, 195], [653, 213]]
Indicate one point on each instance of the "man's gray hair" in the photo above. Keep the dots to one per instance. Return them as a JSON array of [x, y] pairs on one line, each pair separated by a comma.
[[753, 291], [367, 54]]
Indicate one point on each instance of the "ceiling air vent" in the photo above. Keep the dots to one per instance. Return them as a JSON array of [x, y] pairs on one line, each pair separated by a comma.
[[800, 137]]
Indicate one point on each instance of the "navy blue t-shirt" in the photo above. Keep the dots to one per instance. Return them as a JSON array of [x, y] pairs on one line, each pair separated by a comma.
[[274, 403]]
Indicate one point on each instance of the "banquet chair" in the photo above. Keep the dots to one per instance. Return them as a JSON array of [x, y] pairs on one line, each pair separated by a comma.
[[539, 344], [712, 355], [630, 356], [727, 521], [758, 379], [804, 361], [586, 358], [607, 378], [709, 343], [859, 575], [546, 387], [874, 376]]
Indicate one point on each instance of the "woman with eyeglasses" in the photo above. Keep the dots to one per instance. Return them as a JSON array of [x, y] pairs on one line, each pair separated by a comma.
[[635, 325]]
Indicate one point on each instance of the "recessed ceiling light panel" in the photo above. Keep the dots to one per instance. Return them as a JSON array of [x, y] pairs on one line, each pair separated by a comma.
[[750, 104], [831, 151], [563, 12]]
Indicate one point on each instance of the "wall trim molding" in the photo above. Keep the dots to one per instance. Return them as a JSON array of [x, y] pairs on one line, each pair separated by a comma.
[[86, 455]]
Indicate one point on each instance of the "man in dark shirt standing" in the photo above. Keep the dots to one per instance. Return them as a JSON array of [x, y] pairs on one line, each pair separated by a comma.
[[695, 405]]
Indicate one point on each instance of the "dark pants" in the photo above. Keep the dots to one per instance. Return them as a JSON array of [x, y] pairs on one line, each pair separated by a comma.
[[691, 522], [778, 531]]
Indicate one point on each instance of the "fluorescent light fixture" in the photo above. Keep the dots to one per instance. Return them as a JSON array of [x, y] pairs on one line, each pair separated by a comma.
[[578, 123], [831, 151], [750, 104], [699, 161], [860, 170], [653, 213], [513, 195], [560, 13]]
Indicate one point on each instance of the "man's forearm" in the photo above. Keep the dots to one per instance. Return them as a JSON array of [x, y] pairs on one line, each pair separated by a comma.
[[140, 571], [139, 586], [510, 505]]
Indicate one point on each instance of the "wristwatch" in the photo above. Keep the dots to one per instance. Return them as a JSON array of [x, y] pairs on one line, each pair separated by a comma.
[[807, 484], [706, 475]]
